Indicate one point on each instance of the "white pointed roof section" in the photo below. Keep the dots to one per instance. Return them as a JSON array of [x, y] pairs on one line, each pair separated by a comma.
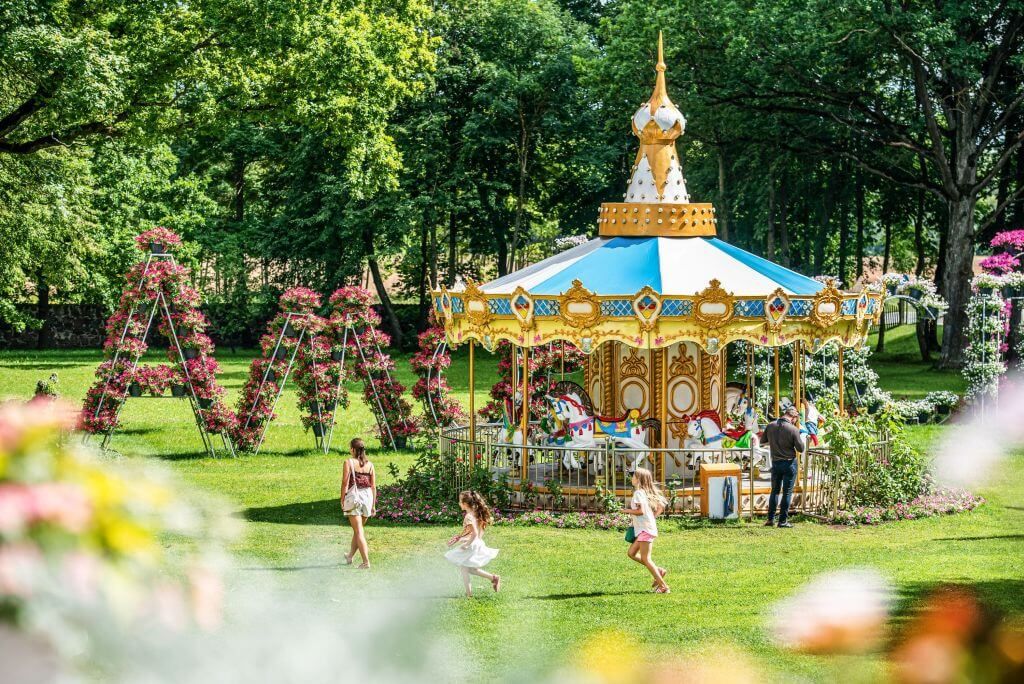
[[656, 275], [657, 173]]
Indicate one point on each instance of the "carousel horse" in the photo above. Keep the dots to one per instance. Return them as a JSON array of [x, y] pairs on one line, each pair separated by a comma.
[[551, 432], [705, 429], [582, 429]]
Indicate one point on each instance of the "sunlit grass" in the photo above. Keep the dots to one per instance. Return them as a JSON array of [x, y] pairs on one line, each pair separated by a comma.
[[561, 586]]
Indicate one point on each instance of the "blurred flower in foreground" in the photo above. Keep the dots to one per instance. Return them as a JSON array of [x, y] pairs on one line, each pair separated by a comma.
[[838, 612], [82, 540], [612, 657], [970, 452], [954, 638]]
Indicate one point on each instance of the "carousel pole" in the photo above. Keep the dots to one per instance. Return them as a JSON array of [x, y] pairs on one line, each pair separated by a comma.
[[472, 394], [562, 352], [798, 380], [524, 418], [842, 387], [777, 398]]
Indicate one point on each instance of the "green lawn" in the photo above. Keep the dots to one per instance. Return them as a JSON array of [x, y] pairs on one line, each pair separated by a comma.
[[562, 587]]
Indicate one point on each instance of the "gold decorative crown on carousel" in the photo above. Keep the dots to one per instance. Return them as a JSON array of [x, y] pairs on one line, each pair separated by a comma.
[[656, 201]]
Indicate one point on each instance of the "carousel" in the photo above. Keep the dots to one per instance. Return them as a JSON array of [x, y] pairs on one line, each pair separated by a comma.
[[654, 302]]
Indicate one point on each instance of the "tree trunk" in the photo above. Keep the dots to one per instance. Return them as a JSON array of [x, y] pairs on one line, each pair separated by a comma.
[[423, 309], [919, 235], [723, 206], [844, 241], [453, 249], [957, 279], [770, 237], [43, 311], [378, 283], [859, 207], [520, 193], [783, 224]]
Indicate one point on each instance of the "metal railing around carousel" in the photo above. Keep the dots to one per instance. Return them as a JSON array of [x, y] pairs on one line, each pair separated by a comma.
[[573, 478]]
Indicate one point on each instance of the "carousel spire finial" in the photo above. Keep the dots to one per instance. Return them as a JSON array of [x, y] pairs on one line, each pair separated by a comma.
[[657, 174]]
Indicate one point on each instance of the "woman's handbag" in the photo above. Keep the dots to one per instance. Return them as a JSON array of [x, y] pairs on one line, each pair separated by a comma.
[[630, 534]]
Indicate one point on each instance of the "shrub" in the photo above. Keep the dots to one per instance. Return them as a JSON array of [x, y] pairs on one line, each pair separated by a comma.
[[897, 476]]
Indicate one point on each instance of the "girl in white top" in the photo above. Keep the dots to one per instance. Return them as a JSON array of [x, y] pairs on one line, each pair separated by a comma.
[[646, 505], [472, 554]]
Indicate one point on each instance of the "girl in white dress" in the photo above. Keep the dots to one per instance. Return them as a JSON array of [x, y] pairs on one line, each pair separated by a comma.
[[472, 554], [646, 505]]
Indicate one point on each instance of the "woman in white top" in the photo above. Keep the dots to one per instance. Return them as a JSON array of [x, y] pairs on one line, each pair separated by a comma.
[[646, 505]]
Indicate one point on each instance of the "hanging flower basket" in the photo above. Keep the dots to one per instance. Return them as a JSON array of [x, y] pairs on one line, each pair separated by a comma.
[[915, 293], [135, 390], [318, 429], [189, 353], [290, 330], [401, 441], [205, 403], [281, 354], [337, 354], [178, 391], [316, 407], [271, 375]]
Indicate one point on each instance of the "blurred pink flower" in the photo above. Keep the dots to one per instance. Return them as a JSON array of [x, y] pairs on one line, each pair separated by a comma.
[[838, 612], [20, 566]]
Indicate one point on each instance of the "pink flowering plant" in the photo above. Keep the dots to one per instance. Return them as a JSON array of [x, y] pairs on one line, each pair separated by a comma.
[[546, 366], [299, 300], [439, 408], [941, 502], [83, 541], [158, 235], [353, 306], [165, 283], [1009, 240]]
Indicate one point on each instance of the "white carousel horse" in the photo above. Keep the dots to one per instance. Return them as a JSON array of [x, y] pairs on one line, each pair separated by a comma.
[[705, 429], [551, 432], [581, 429]]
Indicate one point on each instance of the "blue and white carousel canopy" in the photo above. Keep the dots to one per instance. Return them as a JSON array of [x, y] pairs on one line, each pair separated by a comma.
[[671, 266]]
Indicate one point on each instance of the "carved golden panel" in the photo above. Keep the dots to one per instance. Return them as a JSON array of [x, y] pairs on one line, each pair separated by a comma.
[[827, 306], [633, 365], [580, 307], [713, 307], [521, 304], [683, 364], [475, 305]]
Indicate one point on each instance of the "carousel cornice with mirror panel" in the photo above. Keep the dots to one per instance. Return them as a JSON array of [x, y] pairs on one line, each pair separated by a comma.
[[711, 318]]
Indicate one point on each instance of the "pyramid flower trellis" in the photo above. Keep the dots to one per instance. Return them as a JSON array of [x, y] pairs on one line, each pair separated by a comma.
[[355, 325], [297, 340], [159, 290]]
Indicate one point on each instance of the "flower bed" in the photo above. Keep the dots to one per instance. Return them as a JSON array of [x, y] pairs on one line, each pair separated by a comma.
[[942, 502]]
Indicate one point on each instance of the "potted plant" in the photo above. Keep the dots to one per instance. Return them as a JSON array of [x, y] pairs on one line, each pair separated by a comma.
[[892, 281], [943, 401], [337, 353], [205, 402], [290, 330], [134, 389], [1014, 282], [157, 240], [987, 283]]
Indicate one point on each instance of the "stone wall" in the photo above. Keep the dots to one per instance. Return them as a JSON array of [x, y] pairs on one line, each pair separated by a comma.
[[70, 326]]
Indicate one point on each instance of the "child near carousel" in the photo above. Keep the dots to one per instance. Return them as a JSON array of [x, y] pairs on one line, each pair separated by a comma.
[[472, 554], [646, 505]]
